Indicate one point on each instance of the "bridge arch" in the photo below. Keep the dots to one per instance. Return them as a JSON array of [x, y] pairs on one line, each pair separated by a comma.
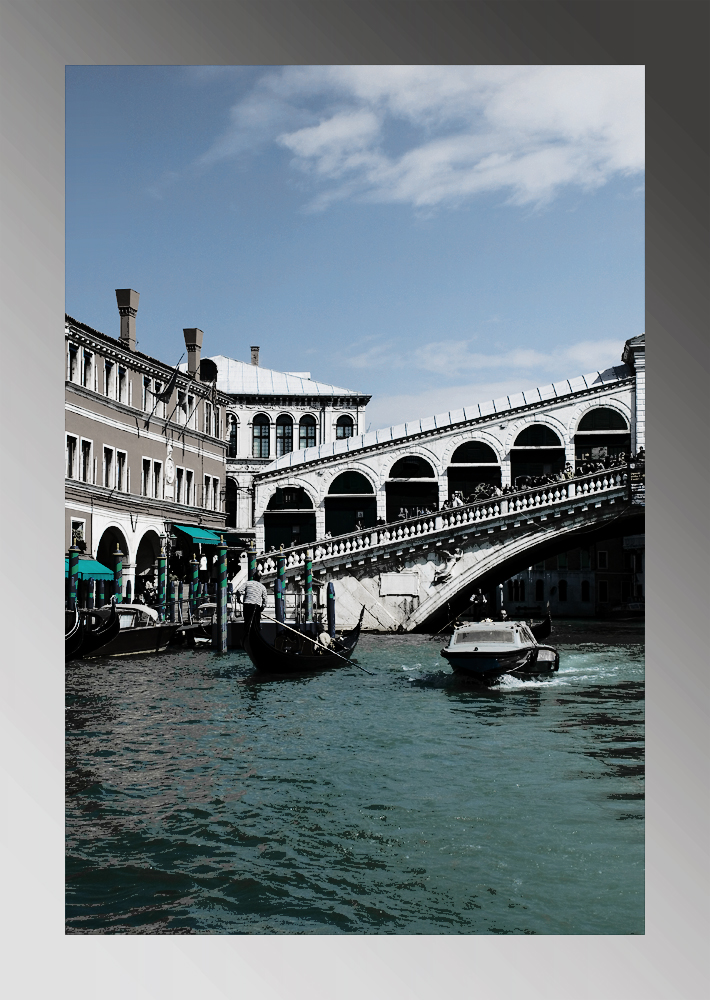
[[412, 486], [290, 514], [537, 448], [471, 463], [350, 504], [601, 431]]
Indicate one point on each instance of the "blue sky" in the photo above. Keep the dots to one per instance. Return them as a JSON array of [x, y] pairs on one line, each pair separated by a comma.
[[434, 236]]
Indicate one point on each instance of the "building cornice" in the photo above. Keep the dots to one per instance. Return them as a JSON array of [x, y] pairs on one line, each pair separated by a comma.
[[167, 510]]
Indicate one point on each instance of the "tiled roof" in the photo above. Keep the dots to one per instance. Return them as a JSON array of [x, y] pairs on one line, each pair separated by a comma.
[[239, 378], [495, 406]]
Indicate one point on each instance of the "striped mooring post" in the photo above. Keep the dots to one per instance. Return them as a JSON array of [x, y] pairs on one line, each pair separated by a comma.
[[162, 565], [309, 585], [219, 641], [73, 575], [193, 580], [331, 609], [251, 560], [173, 601], [100, 599], [118, 573], [280, 592]]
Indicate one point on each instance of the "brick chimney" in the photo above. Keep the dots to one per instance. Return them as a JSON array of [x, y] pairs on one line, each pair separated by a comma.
[[255, 356], [127, 301], [193, 342]]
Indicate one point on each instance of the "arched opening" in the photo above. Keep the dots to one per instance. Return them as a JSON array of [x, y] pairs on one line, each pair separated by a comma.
[[289, 518], [602, 436], [284, 435], [105, 554], [344, 427], [230, 502], [146, 562], [307, 432], [350, 504], [233, 436], [537, 452], [472, 464], [409, 488], [260, 436]]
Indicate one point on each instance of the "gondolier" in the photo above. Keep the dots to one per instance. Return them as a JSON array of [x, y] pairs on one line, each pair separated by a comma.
[[252, 594]]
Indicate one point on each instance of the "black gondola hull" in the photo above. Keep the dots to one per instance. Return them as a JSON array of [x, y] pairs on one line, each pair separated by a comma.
[[270, 660]]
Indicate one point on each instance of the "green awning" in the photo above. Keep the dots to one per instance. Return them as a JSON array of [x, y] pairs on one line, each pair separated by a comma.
[[199, 534], [90, 569]]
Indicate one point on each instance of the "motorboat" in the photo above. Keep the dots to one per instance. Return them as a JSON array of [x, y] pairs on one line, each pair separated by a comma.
[[487, 650], [139, 631]]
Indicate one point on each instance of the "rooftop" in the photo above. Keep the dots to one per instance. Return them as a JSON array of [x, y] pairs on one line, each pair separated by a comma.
[[240, 378]]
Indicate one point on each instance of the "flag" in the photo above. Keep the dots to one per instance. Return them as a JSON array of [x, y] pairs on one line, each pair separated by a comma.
[[167, 392]]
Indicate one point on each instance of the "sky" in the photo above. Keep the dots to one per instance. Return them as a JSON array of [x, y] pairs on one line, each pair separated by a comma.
[[434, 236]]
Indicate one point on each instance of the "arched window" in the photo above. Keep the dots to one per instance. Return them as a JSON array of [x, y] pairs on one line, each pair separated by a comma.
[[232, 441], [260, 436], [284, 435], [563, 590], [290, 498], [344, 427], [602, 419], [307, 432], [537, 436], [411, 467], [350, 482], [475, 453]]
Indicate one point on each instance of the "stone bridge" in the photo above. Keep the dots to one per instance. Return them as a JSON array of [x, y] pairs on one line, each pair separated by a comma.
[[420, 572]]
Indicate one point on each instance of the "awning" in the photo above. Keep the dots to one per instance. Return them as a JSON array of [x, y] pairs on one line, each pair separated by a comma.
[[90, 569], [199, 534]]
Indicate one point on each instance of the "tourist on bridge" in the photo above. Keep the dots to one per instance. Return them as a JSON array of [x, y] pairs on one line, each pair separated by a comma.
[[252, 596]]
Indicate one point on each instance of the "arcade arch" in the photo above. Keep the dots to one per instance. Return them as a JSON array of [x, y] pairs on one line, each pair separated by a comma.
[[411, 488], [472, 464], [537, 451], [350, 502], [601, 433], [289, 518]]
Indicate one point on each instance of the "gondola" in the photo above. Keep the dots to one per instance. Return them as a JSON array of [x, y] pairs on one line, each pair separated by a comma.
[[299, 654], [543, 628], [74, 636], [100, 633]]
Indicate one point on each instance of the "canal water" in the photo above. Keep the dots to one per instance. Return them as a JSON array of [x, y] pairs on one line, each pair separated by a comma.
[[204, 799]]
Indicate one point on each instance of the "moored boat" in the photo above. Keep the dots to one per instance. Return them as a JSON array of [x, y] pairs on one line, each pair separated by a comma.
[[139, 631], [487, 650]]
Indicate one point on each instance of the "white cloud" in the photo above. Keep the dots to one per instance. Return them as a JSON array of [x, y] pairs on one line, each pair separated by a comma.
[[437, 135], [454, 357]]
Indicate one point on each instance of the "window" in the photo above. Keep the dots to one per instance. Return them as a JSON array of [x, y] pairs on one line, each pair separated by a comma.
[[344, 427], [191, 414], [158, 480], [121, 483], [145, 482], [585, 590], [87, 370], [179, 478], [216, 421], [516, 590], [77, 532], [603, 591], [181, 408], [122, 390], [108, 378], [563, 590], [307, 432], [73, 372], [284, 435], [537, 436], [539, 590], [562, 560], [159, 405], [602, 560], [233, 437], [147, 402], [108, 468], [260, 436], [71, 457], [215, 494], [603, 419], [189, 495], [86, 461], [207, 490], [208, 418]]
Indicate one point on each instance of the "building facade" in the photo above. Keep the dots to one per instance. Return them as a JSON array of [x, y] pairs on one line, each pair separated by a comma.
[[145, 447]]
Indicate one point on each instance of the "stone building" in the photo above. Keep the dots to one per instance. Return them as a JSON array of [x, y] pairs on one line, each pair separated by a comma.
[[145, 448], [271, 414]]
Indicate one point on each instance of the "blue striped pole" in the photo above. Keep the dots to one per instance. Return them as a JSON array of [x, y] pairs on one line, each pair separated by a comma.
[[251, 556], [220, 642], [309, 585], [100, 600], [331, 609], [73, 575], [280, 592], [193, 581], [118, 574], [162, 562]]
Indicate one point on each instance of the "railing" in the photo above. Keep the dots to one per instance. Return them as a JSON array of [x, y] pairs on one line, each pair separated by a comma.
[[410, 529]]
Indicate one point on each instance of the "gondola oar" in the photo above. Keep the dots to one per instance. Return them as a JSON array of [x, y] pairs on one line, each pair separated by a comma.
[[317, 643]]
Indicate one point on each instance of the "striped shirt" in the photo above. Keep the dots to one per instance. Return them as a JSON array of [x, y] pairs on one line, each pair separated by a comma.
[[253, 593]]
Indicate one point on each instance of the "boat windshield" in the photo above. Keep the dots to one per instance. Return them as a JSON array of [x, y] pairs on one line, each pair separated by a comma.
[[487, 635], [526, 634]]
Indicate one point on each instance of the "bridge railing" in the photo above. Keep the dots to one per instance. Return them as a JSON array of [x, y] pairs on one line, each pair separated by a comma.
[[521, 502]]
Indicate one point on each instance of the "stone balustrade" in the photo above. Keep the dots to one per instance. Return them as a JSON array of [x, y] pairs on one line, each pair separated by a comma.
[[523, 502]]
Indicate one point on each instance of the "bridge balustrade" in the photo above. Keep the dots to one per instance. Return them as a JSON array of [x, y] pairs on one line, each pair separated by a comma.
[[480, 511]]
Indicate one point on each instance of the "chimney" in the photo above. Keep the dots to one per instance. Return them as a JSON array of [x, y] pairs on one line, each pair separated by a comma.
[[127, 301], [193, 342], [255, 356]]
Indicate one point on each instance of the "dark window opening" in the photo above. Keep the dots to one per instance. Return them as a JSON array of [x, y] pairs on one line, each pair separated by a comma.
[[284, 436], [344, 427], [537, 436], [307, 432], [350, 482], [411, 467], [260, 437], [233, 432], [475, 452], [602, 419]]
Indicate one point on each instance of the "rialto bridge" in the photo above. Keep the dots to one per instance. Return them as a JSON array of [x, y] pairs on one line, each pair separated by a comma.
[[371, 507]]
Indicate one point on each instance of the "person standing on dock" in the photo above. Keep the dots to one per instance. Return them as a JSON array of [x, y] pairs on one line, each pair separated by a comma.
[[252, 594]]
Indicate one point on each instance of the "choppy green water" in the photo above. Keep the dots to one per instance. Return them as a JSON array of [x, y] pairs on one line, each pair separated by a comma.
[[203, 800]]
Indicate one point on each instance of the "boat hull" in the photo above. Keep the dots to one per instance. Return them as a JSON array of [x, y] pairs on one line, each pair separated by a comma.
[[487, 665], [144, 639], [269, 659]]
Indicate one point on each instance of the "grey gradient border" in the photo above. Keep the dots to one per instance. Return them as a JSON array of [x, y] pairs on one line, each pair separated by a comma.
[[37, 39]]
